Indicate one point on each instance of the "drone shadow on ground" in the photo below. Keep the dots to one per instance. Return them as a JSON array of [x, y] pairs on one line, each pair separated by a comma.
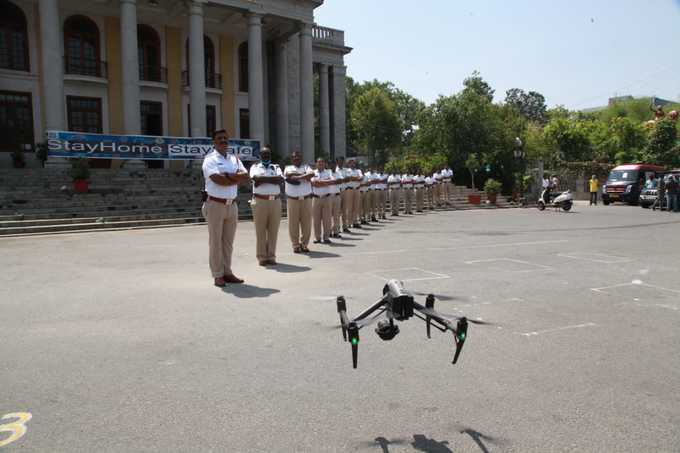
[[245, 291], [423, 443]]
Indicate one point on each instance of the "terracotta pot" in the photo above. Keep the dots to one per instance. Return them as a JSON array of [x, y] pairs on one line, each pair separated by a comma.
[[81, 185], [492, 197], [474, 199]]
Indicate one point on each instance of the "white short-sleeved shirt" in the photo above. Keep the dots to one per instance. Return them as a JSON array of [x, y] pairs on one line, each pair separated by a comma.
[[215, 163], [446, 175], [336, 188], [428, 181], [324, 175], [437, 177], [419, 181], [374, 178], [260, 169], [407, 181], [364, 182], [394, 181], [355, 173], [305, 187], [380, 185], [341, 173], [546, 183]]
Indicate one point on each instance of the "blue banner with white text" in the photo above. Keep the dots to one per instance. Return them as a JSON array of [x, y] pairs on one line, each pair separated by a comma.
[[108, 146]]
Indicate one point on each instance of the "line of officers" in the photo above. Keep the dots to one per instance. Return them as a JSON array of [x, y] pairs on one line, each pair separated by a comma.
[[333, 200]]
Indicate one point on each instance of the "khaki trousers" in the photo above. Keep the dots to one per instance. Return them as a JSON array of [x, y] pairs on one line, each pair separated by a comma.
[[436, 192], [356, 206], [321, 213], [373, 202], [267, 217], [365, 205], [347, 197], [336, 211], [382, 202], [429, 196], [300, 221], [395, 195], [408, 200], [420, 198], [222, 221], [447, 192]]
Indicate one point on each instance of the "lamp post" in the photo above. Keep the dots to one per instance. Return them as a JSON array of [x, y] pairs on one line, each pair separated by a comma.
[[518, 152]]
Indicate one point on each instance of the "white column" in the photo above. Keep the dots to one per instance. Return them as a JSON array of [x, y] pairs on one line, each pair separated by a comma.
[[281, 62], [255, 78], [339, 114], [129, 66], [197, 69], [307, 93], [324, 109], [53, 74]]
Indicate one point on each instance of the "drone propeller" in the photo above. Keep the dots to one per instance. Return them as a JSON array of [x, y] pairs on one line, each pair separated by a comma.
[[442, 297], [431, 312]]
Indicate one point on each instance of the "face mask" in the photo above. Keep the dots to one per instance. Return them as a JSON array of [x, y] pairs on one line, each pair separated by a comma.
[[266, 162]]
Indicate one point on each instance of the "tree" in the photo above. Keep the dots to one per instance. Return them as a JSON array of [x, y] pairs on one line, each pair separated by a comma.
[[531, 105], [473, 165], [662, 142], [376, 123], [476, 84]]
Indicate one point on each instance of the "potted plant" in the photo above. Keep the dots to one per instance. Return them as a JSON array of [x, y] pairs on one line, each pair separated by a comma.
[[18, 159], [492, 188], [473, 166], [80, 173]]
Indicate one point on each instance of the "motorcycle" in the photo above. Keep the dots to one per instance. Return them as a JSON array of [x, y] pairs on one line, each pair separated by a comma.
[[565, 200]]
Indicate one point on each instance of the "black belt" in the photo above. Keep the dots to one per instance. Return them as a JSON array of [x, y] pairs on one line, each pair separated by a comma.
[[266, 197], [221, 200], [298, 198], [321, 196]]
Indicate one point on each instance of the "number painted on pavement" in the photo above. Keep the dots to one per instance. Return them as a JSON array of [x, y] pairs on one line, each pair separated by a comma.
[[17, 428]]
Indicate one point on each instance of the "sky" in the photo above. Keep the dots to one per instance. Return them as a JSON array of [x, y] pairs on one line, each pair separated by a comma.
[[577, 53]]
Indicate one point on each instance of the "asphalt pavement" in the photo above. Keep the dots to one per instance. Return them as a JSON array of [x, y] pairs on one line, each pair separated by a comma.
[[119, 342]]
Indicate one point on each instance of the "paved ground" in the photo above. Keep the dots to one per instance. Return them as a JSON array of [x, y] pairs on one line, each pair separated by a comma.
[[117, 341]]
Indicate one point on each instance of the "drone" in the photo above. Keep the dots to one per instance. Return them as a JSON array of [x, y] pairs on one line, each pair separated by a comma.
[[397, 303]]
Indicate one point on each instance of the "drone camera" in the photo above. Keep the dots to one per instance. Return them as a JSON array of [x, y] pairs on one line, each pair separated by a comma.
[[386, 330]]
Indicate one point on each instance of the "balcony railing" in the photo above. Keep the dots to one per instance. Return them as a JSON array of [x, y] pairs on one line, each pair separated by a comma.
[[152, 73], [212, 80], [85, 66], [328, 35]]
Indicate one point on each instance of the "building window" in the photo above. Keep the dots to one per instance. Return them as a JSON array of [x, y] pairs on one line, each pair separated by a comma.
[[151, 114], [81, 47], [13, 37], [149, 54], [212, 79], [243, 67], [210, 119], [16, 120], [244, 123], [84, 114]]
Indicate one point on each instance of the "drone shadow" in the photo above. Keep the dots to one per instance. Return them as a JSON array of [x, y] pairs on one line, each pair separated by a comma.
[[420, 443], [289, 268], [245, 291]]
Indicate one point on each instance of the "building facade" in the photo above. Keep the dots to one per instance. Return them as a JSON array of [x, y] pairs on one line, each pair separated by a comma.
[[172, 67]]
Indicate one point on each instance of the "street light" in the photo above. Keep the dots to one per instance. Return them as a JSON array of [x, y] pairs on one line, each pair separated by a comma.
[[519, 148]]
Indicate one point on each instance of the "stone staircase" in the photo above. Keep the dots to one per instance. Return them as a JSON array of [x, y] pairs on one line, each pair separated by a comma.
[[40, 201]]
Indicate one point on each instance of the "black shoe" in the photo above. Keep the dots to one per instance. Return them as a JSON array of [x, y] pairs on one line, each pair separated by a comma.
[[373, 219], [345, 230], [363, 222], [358, 227], [317, 241], [327, 241]]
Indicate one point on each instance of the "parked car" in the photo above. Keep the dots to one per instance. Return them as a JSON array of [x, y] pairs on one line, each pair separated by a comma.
[[625, 182]]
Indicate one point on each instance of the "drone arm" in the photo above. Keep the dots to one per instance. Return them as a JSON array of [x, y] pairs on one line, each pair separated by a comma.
[[459, 330], [425, 318], [371, 309]]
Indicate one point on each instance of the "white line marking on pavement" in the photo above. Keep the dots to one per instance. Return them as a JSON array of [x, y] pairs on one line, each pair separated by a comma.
[[557, 329], [510, 260], [635, 282], [506, 244], [436, 275], [596, 257]]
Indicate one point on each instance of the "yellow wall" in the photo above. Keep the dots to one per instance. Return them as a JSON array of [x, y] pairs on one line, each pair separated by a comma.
[[227, 70], [173, 58]]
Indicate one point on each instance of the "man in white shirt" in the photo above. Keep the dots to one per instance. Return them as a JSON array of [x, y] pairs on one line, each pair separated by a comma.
[[346, 194], [447, 176], [223, 172], [299, 202], [355, 178], [321, 204], [419, 183], [374, 181], [394, 184], [437, 192], [266, 206], [336, 202], [381, 196], [407, 190], [429, 191]]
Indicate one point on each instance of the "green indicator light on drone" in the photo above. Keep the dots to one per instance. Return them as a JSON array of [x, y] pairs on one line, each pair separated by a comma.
[[461, 336], [355, 341]]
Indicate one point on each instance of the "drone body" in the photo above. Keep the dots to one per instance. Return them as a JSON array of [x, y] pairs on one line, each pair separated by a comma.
[[398, 304]]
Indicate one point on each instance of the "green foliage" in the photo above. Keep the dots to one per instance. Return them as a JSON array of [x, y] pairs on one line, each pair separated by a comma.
[[662, 144], [80, 169], [491, 186], [530, 105], [376, 123]]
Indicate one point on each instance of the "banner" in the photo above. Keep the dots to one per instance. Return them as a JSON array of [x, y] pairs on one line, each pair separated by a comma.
[[106, 146]]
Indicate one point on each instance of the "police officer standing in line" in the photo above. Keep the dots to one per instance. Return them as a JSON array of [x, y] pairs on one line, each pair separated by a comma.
[[266, 206], [336, 202], [299, 202], [355, 177], [394, 183], [447, 177], [407, 189], [437, 177], [374, 181], [365, 198], [321, 205], [346, 193], [419, 182], [382, 194], [429, 191], [223, 172]]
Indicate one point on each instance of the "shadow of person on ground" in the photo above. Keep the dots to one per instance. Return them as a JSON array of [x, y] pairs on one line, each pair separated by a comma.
[[340, 244], [314, 254], [289, 268], [245, 291], [422, 443]]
